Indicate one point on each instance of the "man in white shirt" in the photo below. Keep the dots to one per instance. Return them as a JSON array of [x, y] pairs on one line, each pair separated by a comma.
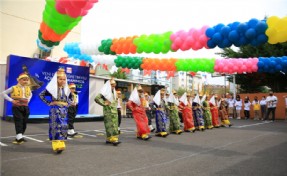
[[271, 101]]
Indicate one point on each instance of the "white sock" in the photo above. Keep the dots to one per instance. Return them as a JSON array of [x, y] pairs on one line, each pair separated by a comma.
[[19, 136], [70, 131]]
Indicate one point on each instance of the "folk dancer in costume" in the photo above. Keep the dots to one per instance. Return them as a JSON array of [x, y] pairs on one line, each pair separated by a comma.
[[119, 109], [135, 104], [214, 111], [198, 114], [174, 124], [72, 109], [187, 117], [20, 96], [107, 98], [58, 91], [206, 112], [148, 111], [160, 113], [223, 114]]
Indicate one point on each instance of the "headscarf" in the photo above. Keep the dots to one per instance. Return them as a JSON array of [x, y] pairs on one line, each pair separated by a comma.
[[157, 98], [134, 97], [106, 91], [183, 99], [197, 99], [172, 99], [52, 87], [212, 100]]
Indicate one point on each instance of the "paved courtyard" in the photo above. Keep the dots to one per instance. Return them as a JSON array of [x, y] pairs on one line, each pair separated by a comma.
[[247, 148]]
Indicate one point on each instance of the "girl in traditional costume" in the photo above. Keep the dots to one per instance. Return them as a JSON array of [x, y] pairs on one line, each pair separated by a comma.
[[206, 113], [160, 113], [198, 114], [58, 92], [135, 104], [214, 112], [186, 106], [108, 99], [174, 124]]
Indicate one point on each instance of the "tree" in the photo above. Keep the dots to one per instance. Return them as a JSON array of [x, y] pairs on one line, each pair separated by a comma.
[[119, 74], [257, 82]]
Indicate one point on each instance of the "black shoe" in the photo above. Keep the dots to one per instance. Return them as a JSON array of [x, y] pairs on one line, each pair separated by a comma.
[[230, 125], [116, 143], [18, 141], [152, 130], [147, 138], [59, 151], [72, 135]]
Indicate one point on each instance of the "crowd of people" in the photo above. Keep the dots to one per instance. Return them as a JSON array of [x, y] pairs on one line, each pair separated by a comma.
[[187, 113]]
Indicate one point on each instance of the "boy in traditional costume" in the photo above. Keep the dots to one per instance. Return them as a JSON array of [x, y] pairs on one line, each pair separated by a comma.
[[187, 117], [119, 109], [174, 125], [108, 99], [58, 92], [20, 96], [72, 110], [160, 113], [135, 104]]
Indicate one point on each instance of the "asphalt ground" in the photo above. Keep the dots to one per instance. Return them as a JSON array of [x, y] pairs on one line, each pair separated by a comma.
[[247, 148]]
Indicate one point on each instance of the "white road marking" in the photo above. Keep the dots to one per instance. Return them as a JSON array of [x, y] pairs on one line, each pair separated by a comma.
[[243, 126], [2, 144], [88, 134], [33, 139]]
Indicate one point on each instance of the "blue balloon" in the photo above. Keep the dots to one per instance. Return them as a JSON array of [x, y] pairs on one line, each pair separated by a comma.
[[216, 38], [261, 27], [226, 43], [234, 25], [209, 32], [242, 27], [218, 27], [243, 41], [250, 33], [225, 31], [252, 22], [262, 38], [211, 44], [233, 36], [254, 42]]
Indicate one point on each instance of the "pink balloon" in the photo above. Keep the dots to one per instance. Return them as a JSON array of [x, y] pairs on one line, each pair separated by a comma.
[[174, 47], [173, 36], [184, 47], [178, 41], [189, 40]]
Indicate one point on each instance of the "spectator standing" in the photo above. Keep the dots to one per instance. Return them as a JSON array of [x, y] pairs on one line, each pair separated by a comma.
[[231, 102], [256, 108], [263, 107], [238, 106], [247, 105], [271, 106]]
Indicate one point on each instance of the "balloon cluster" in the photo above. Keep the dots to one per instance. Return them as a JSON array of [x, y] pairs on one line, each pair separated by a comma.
[[155, 43], [238, 34], [276, 31], [194, 38], [104, 59], [128, 62], [74, 51], [272, 64], [159, 64], [74, 8], [105, 47], [239, 65], [124, 45], [196, 64], [59, 18]]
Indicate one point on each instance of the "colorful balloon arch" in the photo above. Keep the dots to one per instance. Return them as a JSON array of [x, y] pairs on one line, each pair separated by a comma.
[[59, 18], [254, 32]]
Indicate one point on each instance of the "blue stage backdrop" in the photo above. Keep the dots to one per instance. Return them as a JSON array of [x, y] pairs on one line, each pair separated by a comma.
[[41, 72]]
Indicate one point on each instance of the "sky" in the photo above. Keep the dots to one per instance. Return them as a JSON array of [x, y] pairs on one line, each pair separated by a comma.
[[122, 18]]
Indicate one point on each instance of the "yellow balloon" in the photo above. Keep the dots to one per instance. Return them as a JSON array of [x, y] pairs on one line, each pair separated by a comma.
[[271, 21], [270, 32]]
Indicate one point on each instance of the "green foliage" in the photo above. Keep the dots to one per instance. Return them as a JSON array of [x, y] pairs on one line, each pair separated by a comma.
[[257, 82], [119, 74]]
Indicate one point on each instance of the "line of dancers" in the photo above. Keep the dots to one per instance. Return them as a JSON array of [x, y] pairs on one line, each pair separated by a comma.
[[197, 114]]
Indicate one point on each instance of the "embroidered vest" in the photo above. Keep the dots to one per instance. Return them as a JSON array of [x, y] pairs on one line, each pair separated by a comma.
[[18, 93]]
